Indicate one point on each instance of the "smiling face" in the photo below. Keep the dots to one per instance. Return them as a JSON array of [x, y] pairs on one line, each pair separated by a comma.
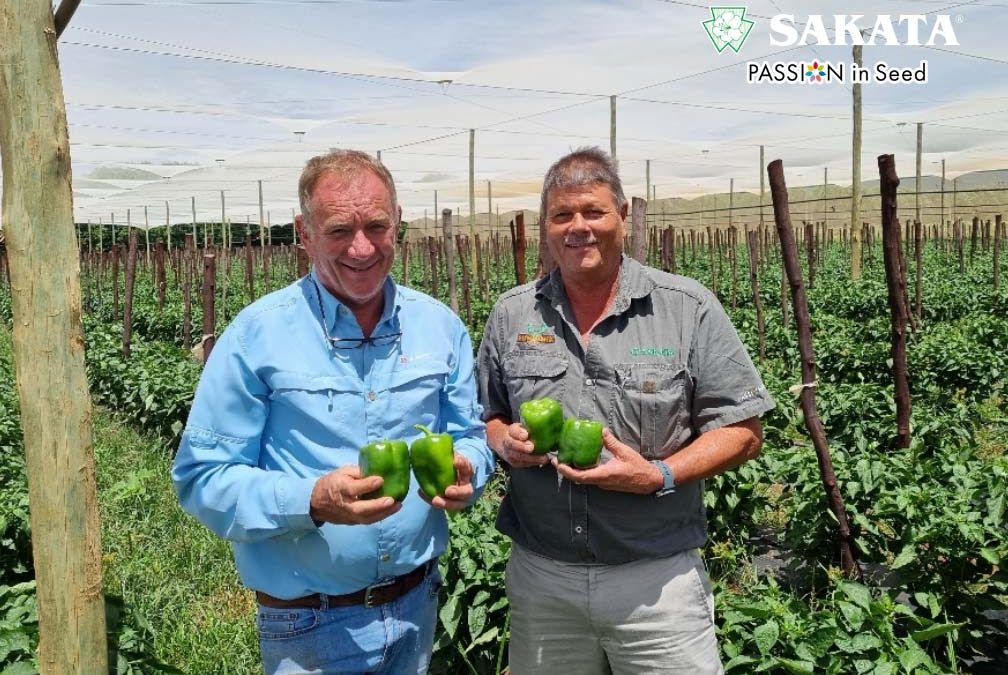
[[584, 232], [351, 237]]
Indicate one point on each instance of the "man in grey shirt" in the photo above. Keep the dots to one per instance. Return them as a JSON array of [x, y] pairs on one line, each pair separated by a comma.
[[604, 574]]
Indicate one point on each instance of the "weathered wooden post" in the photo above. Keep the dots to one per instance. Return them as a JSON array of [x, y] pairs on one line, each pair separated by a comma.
[[462, 246], [187, 274], [752, 243], [518, 247], [638, 231], [131, 263], [159, 273], [919, 268], [791, 266], [997, 251], [48, 343], [449, 253], [898, 313], [209, 317]]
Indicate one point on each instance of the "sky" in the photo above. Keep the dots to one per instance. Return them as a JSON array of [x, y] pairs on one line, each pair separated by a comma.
[[218, 95]]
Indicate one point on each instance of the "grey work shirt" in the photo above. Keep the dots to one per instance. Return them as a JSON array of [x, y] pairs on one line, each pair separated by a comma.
[[662, 367]]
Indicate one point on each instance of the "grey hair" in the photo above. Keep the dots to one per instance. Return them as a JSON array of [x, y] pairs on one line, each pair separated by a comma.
[[342, 163], [587, 165]]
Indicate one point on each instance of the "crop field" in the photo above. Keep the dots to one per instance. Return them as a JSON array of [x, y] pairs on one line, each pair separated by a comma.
[[928, 521]]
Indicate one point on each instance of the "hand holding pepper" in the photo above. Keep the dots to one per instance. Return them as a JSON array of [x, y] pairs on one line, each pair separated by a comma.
[[458, 496], [517, 450], [336, 498], [627, 471]]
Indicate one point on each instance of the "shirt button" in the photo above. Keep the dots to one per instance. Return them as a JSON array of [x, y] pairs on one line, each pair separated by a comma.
[[371, 396], [589, 382], [578, 529], [385, 557]]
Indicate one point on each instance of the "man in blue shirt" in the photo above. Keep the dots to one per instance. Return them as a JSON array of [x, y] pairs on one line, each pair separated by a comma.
[[302, 379]]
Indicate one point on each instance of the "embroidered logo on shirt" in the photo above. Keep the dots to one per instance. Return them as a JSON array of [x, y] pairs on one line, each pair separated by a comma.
[[536, 329], [536, 337], [652, 351]]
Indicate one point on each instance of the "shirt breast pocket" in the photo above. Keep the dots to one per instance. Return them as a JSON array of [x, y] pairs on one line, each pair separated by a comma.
[[318, 399], [530, 376], [650, 408], [416, 392]]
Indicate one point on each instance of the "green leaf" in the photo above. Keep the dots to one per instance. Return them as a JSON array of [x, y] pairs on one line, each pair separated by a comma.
[[905, 557], [937, 630], [852, 613], [797, 667], [886, 668], [740, 660], [858, 593], [766, 636], [450, 614], [990, 555], [477, 619], [913, 657]]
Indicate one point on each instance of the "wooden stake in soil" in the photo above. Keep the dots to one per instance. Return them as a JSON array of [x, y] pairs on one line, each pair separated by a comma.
[[187, 269], [782, 218], [638, 232], [997, 251], [752, 243], [897, 309], [131, 262], [518, 247], [449, 253], [919, 268], [209, 293], [48, 345]]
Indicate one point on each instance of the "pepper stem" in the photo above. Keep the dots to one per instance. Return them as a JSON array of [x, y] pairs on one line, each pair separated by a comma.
[[424, 429]]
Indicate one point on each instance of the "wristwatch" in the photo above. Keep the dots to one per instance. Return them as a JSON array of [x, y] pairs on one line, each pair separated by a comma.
[[668, 480]]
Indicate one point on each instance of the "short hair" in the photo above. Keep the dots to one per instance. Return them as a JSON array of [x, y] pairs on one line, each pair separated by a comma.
[[587, 165], [342, 163]]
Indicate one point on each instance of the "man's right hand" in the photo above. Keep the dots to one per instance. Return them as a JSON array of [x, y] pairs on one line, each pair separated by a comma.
[[336, 498], [516, 448]]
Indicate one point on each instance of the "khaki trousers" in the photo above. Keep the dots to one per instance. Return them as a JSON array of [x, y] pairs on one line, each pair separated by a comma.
[[648, 616]]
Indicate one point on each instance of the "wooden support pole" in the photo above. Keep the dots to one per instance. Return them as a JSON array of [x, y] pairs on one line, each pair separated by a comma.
[[518, 247], [131, 263], [159, 273], [187, 274], [898, 313], [209, 293], [782, 218], [449, 253], [752, 243], [462, 246], [48, 344], [638, 231], [997, 251]]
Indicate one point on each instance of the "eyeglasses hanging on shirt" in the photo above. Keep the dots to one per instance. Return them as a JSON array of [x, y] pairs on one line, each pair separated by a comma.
[[351, 343]]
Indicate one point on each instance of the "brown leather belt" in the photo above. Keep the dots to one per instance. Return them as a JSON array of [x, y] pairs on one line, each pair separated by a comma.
[[379, 594]]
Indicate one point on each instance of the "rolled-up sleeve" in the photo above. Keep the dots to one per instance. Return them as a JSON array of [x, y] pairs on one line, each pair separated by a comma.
[[461, 412], [216, 471], [727, 386]]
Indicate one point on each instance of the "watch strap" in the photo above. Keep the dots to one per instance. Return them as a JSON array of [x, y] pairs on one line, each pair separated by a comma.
[[668, 479]]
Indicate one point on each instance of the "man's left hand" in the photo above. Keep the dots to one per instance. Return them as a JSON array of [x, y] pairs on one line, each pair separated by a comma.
[[627, 471], [456, 496]]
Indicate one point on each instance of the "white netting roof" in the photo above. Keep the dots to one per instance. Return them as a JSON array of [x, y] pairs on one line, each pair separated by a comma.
[[173, 102]]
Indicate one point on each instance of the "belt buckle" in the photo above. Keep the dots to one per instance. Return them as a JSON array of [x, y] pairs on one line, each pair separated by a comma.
[[368, 600]]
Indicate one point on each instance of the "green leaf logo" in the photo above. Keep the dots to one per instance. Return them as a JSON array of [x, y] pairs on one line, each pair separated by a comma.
[[728, 27]]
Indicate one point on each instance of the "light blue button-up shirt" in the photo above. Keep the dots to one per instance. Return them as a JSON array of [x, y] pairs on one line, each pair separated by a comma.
[[277, 407]]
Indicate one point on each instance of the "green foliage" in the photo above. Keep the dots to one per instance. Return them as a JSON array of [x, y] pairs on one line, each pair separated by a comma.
[[473, 628]]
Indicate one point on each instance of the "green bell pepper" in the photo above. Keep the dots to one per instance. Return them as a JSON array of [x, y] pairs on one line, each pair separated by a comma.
[[580, 443], [433, 459], [391, 461], [544, 419]]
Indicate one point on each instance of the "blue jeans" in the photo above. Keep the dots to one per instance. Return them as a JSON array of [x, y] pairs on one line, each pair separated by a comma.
[[393, 638]]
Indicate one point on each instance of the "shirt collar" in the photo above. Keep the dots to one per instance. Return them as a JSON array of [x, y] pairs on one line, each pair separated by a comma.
[[634, 283], [336, 313]]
